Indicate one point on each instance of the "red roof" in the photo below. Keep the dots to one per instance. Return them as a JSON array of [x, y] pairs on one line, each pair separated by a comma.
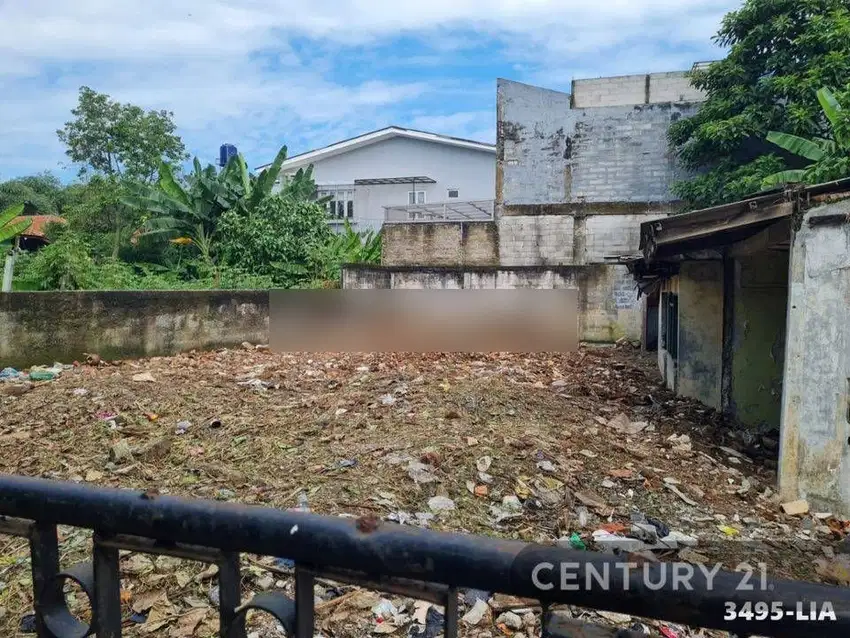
[[39, 223]]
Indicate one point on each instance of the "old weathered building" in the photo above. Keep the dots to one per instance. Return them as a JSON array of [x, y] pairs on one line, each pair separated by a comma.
[[754, 320], [576, 174]]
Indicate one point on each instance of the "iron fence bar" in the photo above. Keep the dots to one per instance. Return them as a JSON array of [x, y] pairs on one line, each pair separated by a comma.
[[106, 606], [44, 556], [431, 592], [390, 550], [229, 595], [304, 603], [452, 613], [149, 546]]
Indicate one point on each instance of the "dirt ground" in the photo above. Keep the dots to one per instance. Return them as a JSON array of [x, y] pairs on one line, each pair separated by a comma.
[[531, 447]]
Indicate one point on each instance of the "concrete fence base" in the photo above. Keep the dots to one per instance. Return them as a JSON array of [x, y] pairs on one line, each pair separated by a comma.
[[43, 327]]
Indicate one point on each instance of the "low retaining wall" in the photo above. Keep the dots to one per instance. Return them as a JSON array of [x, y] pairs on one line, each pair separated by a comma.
[[43, 327], [607, 301]]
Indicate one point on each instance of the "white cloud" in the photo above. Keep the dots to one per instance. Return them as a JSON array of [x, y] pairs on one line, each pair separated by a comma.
[[259, 71]]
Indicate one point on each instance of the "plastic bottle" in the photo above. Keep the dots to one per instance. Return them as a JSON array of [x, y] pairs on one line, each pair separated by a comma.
[[303, 504]]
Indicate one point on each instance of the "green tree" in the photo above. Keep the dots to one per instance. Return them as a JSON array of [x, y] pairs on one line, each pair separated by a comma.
[[780, 53], [277, 239], [830, 156], [189, 213], [120, 140], [41, 194]]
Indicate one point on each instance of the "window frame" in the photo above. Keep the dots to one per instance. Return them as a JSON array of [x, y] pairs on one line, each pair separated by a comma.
[[415, 197]]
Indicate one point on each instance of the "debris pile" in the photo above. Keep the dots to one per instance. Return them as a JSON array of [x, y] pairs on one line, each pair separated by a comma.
[[584, 450]]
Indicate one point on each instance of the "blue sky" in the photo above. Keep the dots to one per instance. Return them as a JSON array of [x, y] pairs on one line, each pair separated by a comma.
[[261, 73]]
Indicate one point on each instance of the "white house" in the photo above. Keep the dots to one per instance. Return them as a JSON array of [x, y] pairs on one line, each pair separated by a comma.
[[400, 174]]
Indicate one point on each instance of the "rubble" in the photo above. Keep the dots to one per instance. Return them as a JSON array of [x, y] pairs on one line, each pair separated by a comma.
[[482, 444]]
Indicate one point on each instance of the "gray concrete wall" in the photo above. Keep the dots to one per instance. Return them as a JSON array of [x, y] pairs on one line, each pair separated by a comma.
[[815, 437], [549, 153], [649, 88], [700, 356], [440, 244], [608, 306], [43, 327]]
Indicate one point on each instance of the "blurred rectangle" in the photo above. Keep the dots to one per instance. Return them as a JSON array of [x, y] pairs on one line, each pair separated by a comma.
[[523, 320]]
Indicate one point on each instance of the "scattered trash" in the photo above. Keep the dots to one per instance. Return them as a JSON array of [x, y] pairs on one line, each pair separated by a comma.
[[510, 620], [214, 595], [576, 542], [796, 508], [384, 609], [7, 374], [483, 464], [345, 463], [138, 619], [79, 392], [387, 399], [476, 614], [728, 530], [284, 563], [224, 494], [472, 596], [27, 624], [546, 466], [441, 504], [144, 377], [182, 427], [624, 424], [421, 473]]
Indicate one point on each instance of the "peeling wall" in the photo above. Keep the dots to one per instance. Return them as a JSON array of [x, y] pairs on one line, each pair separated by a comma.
[[43, 327], [548, 152], [701, 331], [815, 436]]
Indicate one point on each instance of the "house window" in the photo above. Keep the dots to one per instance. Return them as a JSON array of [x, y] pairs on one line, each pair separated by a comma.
[[415, 197], [341, 204], [453, 193]]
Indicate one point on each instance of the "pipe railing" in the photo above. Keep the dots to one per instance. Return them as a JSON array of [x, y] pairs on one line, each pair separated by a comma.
[[410, 561]]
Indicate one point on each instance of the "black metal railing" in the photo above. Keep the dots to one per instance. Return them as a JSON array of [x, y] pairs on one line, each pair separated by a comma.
[[397, 559]]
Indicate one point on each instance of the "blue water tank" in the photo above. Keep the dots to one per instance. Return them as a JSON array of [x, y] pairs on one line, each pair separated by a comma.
[[225, 152]]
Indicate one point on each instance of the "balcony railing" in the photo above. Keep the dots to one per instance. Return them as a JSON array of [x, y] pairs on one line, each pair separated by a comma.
[[397, 559], [480, 210]]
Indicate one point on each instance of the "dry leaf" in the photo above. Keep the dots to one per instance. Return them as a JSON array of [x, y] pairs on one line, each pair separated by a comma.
[[187, 623]]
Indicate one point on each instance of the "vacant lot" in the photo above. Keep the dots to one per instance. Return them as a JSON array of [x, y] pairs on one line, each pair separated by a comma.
[[528, 447]]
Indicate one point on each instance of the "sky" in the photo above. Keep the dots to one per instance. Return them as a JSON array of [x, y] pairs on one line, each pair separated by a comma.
[[263, 73]]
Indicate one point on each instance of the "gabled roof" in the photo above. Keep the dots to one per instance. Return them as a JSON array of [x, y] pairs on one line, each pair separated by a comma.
[[380, 135]]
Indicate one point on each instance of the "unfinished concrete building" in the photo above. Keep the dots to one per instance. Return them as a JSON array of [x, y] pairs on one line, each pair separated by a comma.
[[753, 319], [576, 175]]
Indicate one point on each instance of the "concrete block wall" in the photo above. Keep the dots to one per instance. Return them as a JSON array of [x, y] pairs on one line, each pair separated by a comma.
[[609, 235], [549, 153], [673, 87], [613, 91], [645, 88], [440, 244], [608, 304], [536, 240]]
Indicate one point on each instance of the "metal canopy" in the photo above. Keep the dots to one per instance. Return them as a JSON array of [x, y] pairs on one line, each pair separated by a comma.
[[394, 180]]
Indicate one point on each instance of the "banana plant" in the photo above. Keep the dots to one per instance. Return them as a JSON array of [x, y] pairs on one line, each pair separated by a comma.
[[10, 230], [830, 157]]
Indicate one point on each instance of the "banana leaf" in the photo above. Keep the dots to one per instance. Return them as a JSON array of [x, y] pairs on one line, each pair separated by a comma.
[[783, 177], [797, 145]]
